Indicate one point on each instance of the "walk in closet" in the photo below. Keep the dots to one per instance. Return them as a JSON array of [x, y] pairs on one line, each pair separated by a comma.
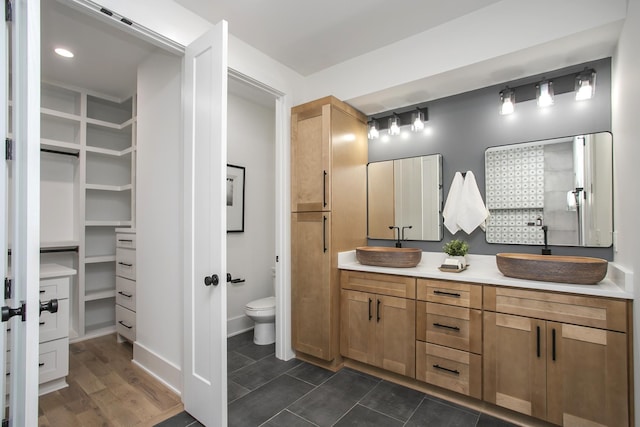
[[87, 191]]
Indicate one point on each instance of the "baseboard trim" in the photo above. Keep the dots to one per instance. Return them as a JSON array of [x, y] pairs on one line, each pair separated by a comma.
[[237, 325], [158, 367]]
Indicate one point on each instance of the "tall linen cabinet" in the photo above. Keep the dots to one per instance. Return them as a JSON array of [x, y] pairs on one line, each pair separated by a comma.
[[328, 215]]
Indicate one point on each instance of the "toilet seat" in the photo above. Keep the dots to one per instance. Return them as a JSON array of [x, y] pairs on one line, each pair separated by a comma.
[[266, 305]]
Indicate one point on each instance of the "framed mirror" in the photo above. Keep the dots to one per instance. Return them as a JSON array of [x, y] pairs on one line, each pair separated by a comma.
[[565, 184], [405, 193]]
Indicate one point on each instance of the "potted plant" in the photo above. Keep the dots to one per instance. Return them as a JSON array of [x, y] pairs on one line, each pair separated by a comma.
[[457, 249]]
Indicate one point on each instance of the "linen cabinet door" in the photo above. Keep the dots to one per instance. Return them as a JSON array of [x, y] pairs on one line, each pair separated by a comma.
[[357, 326], [396, 334], [311, 287], [515, 363], [587, 376], [311, 159]]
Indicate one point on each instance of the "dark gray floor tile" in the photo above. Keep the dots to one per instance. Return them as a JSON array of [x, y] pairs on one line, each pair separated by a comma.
[[183, 419], [433, 413], [235, 391], [359, 416], [489, 421], [361, 374], [394, 400], [240, 340], [260, 405], [455, 405], [256, 352], [310, 373], [236, 361], [261, 372], [287, 419], [329, 402]]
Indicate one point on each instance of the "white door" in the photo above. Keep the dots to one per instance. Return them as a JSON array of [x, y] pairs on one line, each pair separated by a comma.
[[205, 312], [24, 188]]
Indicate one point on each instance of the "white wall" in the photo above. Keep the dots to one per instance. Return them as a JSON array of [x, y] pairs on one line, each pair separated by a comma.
[[251, 254], [159, 290], [626, 128]]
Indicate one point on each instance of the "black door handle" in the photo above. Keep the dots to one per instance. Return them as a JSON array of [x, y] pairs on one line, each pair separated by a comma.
[[51, 306], [324, 233], [211, 280], [370, 309], [378, 311], [324, 189]]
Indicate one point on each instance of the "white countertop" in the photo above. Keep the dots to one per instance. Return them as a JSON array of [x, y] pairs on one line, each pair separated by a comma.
[[483, 269]]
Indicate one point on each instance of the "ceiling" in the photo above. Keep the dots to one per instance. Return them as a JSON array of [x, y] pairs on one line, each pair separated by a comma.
[[309, 36]]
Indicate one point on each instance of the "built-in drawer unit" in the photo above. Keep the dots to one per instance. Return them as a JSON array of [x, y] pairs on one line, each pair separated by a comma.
[[126, 323], [383, 284], [54, 360], [55, 325], [126, 263], [126, 293], [126, 284], [451, 293], [455, 370], [451, 326]]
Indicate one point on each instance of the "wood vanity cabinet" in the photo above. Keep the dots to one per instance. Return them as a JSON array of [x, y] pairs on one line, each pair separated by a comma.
[[557, 357], [449, 335], [328, 215], [378, 320]]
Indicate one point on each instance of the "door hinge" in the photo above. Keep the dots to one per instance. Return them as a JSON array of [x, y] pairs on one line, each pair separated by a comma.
[[8, 16], [8, 149], [7, 288]]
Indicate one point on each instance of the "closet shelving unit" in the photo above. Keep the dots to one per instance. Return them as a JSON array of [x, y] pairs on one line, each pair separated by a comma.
[[94, 136]]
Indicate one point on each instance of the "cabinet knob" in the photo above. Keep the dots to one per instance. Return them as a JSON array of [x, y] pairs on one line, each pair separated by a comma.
[[211, 280]]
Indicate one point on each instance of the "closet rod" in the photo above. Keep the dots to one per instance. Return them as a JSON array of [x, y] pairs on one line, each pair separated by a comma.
[[46, 150], [53, 250]]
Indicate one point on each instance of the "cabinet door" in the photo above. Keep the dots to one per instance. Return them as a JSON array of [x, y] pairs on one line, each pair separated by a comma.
[[515, 363], [311, 159], [311, 287], [357, 326], [395, 334], [587, 376]]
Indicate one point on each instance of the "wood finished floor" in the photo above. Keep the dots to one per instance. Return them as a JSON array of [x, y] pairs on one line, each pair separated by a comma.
[[107, 389]]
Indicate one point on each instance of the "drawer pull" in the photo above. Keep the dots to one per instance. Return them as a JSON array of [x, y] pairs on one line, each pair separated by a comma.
[[125, 295], [125, 264], [41, 364], [42, 323], [124, 324], [449, 294], [452, 371], [42, 291], [125, 240], [453, 328]]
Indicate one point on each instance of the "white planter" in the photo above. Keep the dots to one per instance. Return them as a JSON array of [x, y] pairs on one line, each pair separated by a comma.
[[462, 259]]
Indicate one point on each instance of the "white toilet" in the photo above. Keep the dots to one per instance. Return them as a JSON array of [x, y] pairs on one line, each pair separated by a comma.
[[263, 313]]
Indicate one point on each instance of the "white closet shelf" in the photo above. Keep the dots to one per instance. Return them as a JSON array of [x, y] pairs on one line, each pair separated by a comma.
[[99, 259], [98, 223], [61, 114], [98, 295], [104, 187], [99, 329], [108, 152], [118, 126], [61, 244], [67, 147]]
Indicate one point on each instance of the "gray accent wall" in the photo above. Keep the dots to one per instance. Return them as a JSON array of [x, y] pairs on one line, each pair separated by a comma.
[[465, 125]]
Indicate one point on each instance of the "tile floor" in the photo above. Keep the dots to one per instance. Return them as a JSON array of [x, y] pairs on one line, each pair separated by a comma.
[[265, 391]]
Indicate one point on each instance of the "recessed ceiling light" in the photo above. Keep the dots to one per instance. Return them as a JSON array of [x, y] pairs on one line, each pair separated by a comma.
[[63, 52]]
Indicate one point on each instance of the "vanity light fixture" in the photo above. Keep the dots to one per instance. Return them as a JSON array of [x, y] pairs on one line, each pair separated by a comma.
[[394, 125], [544, 93], [585, 84], [373, 130], [417, 121], [507, 101]]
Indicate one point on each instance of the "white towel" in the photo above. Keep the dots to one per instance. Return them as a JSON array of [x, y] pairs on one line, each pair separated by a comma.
[[452, 206], [472, 212]]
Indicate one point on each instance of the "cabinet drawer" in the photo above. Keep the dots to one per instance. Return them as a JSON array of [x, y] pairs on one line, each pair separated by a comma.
[[598, 312], [55, 325], [54, 288], [126, 293], [381, 284], [454, 370], [126, 263], [453, 293], [450, 326], [126, 240], [126, 323], [54, 360]]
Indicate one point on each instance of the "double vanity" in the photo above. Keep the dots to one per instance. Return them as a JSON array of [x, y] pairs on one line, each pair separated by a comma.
[[553, 351]]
